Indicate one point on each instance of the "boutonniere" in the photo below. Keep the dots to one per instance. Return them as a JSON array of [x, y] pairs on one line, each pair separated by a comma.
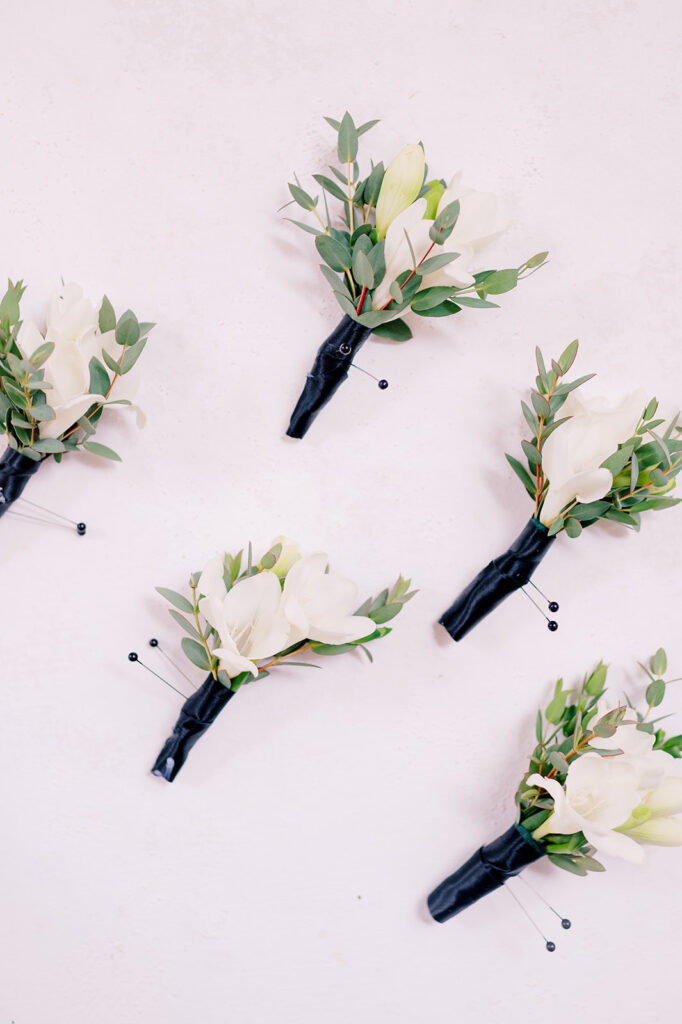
[[56, 383], [394, 241], [587, 459], [244, 619], [600, 781]]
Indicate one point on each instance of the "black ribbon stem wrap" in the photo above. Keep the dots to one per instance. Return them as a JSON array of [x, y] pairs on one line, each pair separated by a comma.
[[198, 713], [498, 580], [486, 870], [15, 472], [328, 373]]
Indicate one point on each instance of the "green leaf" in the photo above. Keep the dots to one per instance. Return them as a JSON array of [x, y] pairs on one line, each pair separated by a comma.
[[443, 225], [522, 474], [377, 259], [655, 693], [541, 405], [474, 303], [348, 139], [301, 197], [537, 260], [306, 227], [501, 281], [196, 653], [373, 185], [362, 268], [567, 863], [538, 727], [111, 363], [573, 527], [42, 353], [131, 355], [366, 126], [659, 662], [385, 614], [15, 395], [107, 317], [329, 649], [634, 472], [336, 255], [590, 510], [442, 309], [127, 328], [331, 187], [101, 450], [396, 330], [531, 453], [436, 262], [430, 297], [183, 622], [595, 684], [567, 357], [176, 599], [556, 526], [618, 461], [48, 446], [99, 378], [42, 413]]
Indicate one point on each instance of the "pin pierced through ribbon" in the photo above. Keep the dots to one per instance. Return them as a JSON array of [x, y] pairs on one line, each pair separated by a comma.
[[345, 350]]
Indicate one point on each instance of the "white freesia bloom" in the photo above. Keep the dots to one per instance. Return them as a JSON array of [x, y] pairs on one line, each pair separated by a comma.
[[248, 618], [649, 765], [573, 454], [73, 328], [601, 793], [476, 225], [319, 605], [400, 186]]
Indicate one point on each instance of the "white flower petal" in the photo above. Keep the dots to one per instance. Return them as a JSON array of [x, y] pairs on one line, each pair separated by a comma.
[[658, 831], [67, 414]]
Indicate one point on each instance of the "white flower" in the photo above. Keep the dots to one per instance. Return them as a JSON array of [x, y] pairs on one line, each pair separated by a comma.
[[288, 556], [649, 765], [319, 605], [666, 798], [400, 186], [573, 454], [248, 618], [601, 793], [73, 328], [475, 226]]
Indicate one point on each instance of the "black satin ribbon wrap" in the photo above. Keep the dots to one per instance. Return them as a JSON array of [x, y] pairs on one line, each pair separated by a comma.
[[328, 373], [485, 871], [198, 713], [498, 580], [15, 472]]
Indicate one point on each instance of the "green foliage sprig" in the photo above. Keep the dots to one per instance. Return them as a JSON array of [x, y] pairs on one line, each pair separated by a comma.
[[570, 726], [643, 470], [354, 257]]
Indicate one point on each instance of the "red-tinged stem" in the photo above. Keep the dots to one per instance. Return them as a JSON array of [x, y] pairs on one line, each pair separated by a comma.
[[362, 299], [412, 274]]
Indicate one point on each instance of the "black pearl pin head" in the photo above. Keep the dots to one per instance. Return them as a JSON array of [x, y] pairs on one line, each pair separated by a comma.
[[550, 947], [80, 529], [552, 625], [153, 642], [345, 349], [553, 606], [565, 923], [383, 384], [132, 656]]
